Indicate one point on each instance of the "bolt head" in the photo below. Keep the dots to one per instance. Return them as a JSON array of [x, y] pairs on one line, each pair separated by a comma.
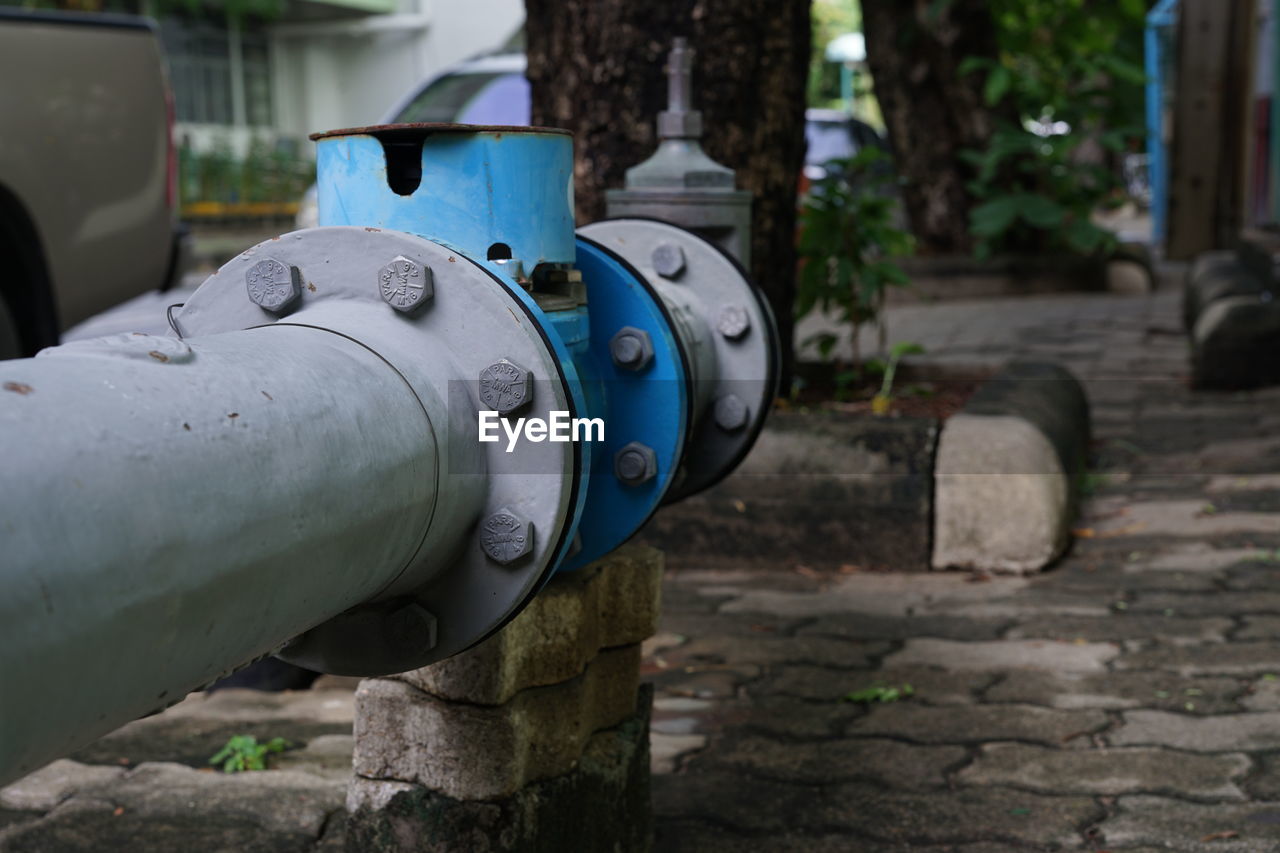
[[410, 626], [631, 348], [273, 285], [734, 322], [635, 464], [505, 386], [506, 536], [730, 413], [668, 260], [405, 285]]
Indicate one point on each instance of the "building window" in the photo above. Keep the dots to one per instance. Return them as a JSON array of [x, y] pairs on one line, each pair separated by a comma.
[[221, 73]]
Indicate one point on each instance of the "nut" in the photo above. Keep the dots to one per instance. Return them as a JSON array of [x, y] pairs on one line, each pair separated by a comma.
[[631, 348], [506, 536], [405, 284], [731, 413], [734, 321], [505, 386], [410, 627], [273, 285], [668, 260], [635, 464]]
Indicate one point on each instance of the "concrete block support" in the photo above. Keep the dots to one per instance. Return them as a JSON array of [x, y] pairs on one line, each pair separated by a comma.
[[535, 739], [1008, 469]]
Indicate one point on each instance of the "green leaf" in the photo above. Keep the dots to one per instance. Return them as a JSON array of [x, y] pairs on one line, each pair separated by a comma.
[[997, 86], [1042, 212], [994, 217], [1083, 236]]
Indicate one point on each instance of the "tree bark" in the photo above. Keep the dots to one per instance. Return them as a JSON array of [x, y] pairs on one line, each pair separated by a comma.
[[933, 112], [596, 68]]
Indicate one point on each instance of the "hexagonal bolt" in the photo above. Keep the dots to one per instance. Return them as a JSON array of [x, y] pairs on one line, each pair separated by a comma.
[[273, 285], [410, 626], [506, 536], [505, 386], [733, 322], [635, 464], [668, 260], [405, 285], [631, 348], [730, 413]]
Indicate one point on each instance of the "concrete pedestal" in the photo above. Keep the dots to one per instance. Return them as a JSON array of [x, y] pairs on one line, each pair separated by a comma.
[[536, 739]]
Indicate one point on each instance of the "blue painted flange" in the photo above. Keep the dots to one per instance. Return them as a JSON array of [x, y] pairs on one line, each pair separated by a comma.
[[479, 186], [651, 406]]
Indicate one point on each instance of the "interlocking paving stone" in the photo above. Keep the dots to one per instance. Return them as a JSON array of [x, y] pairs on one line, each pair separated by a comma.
[[1217, 604], [976, 723], [1159, 690], [1259, 628], [1005, 654], [1118, 583], [1109, 772], [885, 762], [162, 806], [1225, 733], [1178, 825], [750, 805], [932, 686], [877, 594], [879, 627], [1264, 782], [1263, 695], [763, 649], [666, 750], [1186, 518], [786, 717], [55, 782], [1244, 658], [703, 682], [1121, 626], [1256, 574]]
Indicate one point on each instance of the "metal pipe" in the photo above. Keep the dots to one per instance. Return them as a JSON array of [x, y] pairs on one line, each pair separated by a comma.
[[172, 509]]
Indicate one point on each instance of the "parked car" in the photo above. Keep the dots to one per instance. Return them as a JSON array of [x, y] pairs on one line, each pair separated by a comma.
[[834, 135], [87, 171], [492, 89]]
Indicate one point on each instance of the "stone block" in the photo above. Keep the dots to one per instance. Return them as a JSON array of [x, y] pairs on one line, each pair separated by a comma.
[[1213, 275], [1008, 469], [611, 603], [600, 804], [1235, 342], [473, 752]]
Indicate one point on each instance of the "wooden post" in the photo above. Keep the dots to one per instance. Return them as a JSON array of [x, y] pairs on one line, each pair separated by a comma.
[[1211, 101]]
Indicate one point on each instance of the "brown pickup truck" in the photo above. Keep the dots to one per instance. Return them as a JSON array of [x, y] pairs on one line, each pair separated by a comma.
[[87, 171]]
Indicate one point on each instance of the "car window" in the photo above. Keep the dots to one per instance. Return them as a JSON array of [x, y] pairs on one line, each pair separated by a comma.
[[471, 98], [504, 101], [827, 140]]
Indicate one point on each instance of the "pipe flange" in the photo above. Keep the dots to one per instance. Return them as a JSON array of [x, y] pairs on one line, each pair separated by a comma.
[[735, 323], [473, 321]]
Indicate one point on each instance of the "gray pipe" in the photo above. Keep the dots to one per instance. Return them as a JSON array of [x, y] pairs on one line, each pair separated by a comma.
[[171, 510]]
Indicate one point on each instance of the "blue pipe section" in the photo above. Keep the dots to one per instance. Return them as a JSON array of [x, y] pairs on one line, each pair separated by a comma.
[[1164, 15], [483, 186]]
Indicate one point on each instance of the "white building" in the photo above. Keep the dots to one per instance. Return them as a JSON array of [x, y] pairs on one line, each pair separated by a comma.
[[319, 64]]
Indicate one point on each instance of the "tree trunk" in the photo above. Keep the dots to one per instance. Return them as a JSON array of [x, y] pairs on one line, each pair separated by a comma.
[[933, 112], [596, 68]]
